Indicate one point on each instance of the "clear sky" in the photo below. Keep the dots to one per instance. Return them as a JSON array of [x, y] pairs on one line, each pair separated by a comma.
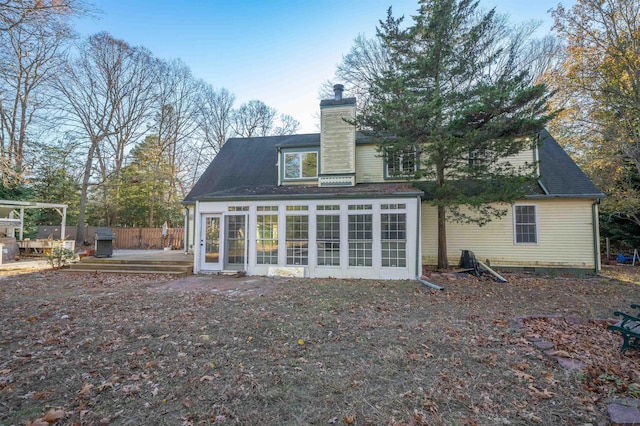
[[276, 51]]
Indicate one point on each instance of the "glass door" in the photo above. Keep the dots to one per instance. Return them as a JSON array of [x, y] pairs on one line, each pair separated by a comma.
[[210, 243], [235, 247]]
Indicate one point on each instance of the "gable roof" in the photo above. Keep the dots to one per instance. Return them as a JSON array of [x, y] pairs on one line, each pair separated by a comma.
[[560, 176], [247, 167]]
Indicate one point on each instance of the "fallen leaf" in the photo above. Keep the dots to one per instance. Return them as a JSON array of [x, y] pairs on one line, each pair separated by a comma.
[[349, 420], [53, 415], [187, 402], [37, 422], [524, 376], [86, 390], [542, 394]]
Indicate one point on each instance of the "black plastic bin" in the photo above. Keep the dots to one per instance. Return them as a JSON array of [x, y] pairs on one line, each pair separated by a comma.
[[104, 242]]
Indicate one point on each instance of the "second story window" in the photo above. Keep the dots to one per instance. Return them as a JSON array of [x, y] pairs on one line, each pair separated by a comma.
[[477, 157], [300, 165], [402, 163]]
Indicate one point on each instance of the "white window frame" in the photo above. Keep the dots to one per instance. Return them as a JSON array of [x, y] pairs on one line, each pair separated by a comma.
[[335, 243], [400, 156], [300, 155], [395, 245], [515, 224], [478, 157]]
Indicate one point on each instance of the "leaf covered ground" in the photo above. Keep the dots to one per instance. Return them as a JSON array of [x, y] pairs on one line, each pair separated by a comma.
[[130, 350]]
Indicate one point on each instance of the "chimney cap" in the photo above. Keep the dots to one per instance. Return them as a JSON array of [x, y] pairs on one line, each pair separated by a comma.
[[337, 90]]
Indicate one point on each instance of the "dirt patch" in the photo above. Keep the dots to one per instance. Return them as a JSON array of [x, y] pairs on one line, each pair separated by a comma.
[[221, 284], [122, 349]]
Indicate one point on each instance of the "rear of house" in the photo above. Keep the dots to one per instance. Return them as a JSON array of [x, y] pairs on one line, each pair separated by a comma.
[[329, 205]]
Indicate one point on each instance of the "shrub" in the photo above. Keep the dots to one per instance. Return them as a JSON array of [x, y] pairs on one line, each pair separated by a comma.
[[60, 256]]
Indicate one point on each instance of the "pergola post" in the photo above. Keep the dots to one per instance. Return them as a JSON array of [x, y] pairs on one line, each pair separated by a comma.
[[21, 223], [62, 226]]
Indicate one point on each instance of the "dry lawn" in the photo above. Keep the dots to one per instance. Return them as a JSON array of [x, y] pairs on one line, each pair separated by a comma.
[[129, 350]]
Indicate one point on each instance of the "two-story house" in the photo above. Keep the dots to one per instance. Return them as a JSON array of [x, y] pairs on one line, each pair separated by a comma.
[[329, 205]]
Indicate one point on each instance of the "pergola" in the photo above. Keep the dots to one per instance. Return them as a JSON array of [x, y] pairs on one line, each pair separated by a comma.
[[9, 207]]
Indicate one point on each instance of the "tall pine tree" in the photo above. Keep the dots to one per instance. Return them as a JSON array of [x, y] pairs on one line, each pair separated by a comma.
[[455, 96]]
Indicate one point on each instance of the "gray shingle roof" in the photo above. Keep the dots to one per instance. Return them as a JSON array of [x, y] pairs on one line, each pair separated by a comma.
[[247, 167], [560, 175]]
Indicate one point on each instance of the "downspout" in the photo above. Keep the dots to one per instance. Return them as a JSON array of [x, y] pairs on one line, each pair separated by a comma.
[[196, 244], [418, 257], [596, 235], [418, 238], [428, 284], [186, 231]]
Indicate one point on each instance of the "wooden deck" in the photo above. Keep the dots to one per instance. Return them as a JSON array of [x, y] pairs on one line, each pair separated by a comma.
[[174, 262]]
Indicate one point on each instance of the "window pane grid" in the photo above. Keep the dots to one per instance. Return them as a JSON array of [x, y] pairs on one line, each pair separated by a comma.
[[297, 240], [267, 239], [328, 240], [402, 162], [525, 226], [360, 240], [394, 236], [235, 239]]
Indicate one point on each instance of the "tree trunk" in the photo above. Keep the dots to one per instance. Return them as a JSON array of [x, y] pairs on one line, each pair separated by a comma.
[[443, 262], [80, 237]]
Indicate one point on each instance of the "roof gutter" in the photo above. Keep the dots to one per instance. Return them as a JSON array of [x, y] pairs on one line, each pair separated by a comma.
[[576, 196], [307, 196]]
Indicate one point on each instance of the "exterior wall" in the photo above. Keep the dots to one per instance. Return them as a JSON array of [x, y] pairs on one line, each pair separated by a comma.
[[344, 270], [337, 140], [565, 237], [522, 158], [189, 228], [370, 164]]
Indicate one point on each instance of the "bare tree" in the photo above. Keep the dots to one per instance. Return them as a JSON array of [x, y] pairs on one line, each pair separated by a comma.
[[134, 95], [14, 13], [253, 118], [214, 119], [28, 62], [100, 93], [176, 121], [287, 126]]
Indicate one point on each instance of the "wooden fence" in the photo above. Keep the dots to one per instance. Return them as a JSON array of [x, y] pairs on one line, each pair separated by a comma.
[[126, 238]]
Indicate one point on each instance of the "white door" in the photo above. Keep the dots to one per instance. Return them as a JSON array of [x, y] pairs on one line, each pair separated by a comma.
[[210, 259]]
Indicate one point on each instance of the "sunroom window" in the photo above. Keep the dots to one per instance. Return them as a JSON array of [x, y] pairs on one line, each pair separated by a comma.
[[300, 165], [394, 239]]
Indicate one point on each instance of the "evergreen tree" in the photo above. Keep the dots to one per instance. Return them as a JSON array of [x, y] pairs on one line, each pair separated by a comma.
[[53, 181], [455, 97], [145, 196]]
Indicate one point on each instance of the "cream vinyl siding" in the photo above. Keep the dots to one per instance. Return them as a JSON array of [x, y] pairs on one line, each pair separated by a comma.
[[521, 159], [565, 237], [369, 165]]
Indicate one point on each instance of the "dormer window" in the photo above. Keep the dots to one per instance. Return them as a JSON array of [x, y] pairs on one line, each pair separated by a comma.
[[477, 157], [401, 163], [301, 165]]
